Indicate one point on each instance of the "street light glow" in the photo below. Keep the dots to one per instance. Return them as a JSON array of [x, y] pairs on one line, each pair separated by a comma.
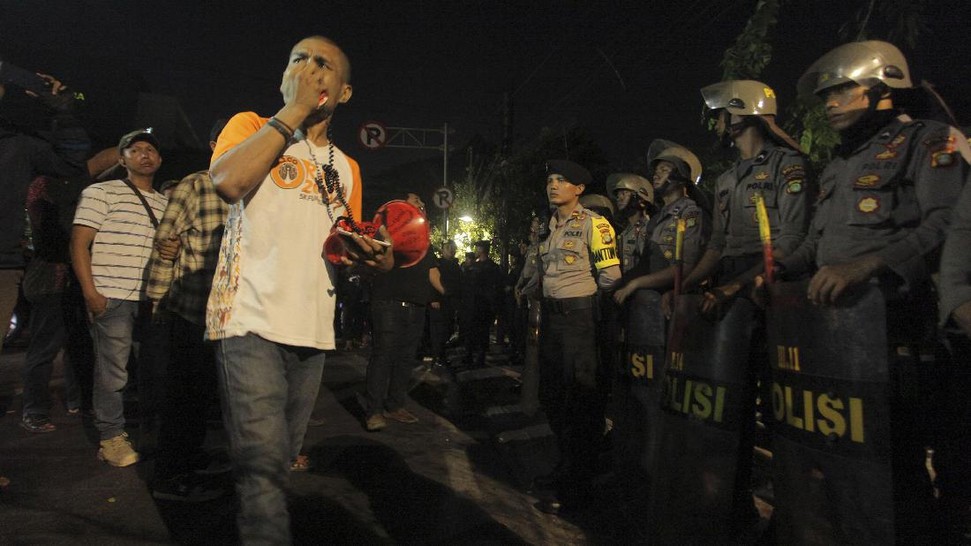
[[465, 218]]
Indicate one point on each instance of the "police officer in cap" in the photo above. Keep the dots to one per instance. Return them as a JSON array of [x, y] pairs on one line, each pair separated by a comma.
[[675, 171], [577, 259], [884, 205], [634, 195]]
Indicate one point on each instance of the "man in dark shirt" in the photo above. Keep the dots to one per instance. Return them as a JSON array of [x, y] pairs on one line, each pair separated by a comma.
[[442, 319], [486, 284], [23, 157], [398, 300]]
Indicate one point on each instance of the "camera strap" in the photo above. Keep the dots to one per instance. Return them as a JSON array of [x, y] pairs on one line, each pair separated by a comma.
[[148, 209]]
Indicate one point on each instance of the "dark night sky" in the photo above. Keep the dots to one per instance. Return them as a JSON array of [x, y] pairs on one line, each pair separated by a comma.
[[629, 71]]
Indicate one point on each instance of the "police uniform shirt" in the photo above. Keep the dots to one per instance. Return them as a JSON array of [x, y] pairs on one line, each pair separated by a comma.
[[632, 242], [577, 250], [892, 196], [780, 174], [955, 285], [661, 248]]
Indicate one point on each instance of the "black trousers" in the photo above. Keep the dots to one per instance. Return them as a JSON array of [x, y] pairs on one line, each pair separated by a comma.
[[190, 386], [570, 395]]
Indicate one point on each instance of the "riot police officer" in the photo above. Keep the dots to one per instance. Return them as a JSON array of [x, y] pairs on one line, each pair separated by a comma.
[[770, 163], [578, 258], [881, 216], [676, 169], [633, 194]]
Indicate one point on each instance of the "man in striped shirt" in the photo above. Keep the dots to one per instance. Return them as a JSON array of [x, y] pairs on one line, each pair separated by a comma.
[[111, 241]]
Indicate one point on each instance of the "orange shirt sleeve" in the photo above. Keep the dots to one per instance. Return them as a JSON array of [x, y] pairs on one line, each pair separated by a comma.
[[238, 128], [355, 199]]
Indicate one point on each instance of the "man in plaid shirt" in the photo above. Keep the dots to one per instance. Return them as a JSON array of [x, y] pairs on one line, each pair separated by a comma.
[[179, 290]]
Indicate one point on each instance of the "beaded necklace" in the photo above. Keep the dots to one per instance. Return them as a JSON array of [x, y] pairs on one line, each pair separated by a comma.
[[328, 182]]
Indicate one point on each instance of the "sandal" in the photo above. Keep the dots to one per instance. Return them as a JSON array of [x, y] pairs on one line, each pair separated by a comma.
[[37, 424], [300, 464]]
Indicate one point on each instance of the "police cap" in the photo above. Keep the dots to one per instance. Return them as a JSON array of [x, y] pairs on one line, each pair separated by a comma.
[[573, 173]]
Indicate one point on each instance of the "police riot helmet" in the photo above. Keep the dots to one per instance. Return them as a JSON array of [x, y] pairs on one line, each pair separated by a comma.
[[687, 167], [742, 97], [640, 186], [865, 63], [748, 98], [597, 203]]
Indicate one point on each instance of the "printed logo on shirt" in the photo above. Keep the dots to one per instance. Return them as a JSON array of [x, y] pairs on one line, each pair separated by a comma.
[[292, 172]]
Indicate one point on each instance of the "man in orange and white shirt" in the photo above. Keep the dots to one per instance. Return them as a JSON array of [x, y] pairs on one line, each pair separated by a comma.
[[271, 308]]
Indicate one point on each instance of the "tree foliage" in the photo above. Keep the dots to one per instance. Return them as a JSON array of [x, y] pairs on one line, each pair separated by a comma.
[[752, 51]]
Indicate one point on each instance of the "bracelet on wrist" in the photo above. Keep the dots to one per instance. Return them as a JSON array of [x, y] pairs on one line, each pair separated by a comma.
[[281, 128]]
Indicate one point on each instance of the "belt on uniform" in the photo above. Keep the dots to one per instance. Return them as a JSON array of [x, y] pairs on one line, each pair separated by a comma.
[[399, 303], [565, 305]]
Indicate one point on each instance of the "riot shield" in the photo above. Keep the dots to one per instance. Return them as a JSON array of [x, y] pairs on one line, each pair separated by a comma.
[[639, 393], [705, 402], [830, 418]]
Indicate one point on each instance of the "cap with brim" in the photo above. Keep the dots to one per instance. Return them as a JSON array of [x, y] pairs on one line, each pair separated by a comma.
[[144, 135], [572, 172]]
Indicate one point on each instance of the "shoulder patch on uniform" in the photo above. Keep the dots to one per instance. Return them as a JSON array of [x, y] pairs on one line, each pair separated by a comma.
[[942, 159], [794, 187], [690, 222]]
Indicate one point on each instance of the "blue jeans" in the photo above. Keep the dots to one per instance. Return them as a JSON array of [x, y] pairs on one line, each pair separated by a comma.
[[48, 334], [112, 332], [396, 330], [267, 391]]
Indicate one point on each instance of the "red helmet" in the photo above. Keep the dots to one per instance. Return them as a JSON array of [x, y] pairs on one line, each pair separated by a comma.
[[409, 229]]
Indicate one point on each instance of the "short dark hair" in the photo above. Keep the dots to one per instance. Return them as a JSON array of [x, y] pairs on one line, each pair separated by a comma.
[[344, 59], [485, 245]]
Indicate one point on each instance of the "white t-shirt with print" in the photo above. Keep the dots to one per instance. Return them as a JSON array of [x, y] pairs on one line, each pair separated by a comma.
[[272, 280]]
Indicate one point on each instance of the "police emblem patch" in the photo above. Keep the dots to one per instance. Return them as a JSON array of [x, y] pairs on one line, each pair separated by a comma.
[[794, 187], [574, 224], [867, 181], [668, 254], [569, 259], [868, 205], [690, 222], [568, 244], [942, 159], [889, 153], [762, 175]]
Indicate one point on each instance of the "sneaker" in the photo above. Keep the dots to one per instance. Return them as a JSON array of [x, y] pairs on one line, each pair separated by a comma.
[[401, 415], [376, 422], [37, 424], [187, 488], [117, 451]]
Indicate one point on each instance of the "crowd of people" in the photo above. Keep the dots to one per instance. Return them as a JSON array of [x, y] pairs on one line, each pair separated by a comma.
[[658, 308]]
